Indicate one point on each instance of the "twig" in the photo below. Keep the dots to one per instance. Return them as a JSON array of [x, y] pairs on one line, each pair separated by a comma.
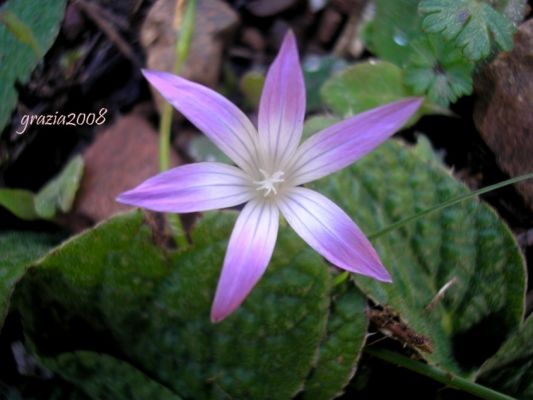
[[100, 18], [440, 294]]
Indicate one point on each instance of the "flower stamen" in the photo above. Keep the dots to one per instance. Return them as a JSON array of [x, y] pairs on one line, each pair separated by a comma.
[[269, 183]]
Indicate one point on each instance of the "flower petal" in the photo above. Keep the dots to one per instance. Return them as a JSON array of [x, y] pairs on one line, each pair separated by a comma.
[[249, 251], [282, 106], [345, 142], [331, 232], [211, 113], [192, 187]]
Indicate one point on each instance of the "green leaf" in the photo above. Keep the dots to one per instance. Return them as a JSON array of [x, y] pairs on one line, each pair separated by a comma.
[[317, 70], [342, 346], [20, 30], [370, 84], [17, 251], [433, 66], [510, 370], [200, 148], [394, 26], [251, 85], [101, 376], [19, 202], [317, 123], [466, 243], [59, 193], [118, 285], [363, 86], [37, 25], [472, 24], [424, 149], [439, 70]]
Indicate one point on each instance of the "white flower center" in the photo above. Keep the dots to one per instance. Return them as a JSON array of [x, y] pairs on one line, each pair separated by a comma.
[[270, 183]]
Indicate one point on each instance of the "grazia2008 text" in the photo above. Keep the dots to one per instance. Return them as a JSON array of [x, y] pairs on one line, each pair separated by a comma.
[[56, 119]]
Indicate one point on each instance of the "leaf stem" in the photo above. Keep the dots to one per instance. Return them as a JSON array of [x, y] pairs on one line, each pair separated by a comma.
[[437, 374], [164, 137], [183, 42], [449, 203]]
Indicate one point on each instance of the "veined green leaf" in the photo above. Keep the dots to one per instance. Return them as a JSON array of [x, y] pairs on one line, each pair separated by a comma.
[[472, 24], [341, 348], [438, 70], [115, 281], [466, 248]]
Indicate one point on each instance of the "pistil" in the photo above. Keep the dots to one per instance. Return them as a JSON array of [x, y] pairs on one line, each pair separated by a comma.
[[270, 182]]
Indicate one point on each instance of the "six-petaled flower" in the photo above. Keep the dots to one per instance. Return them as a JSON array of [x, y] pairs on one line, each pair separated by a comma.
[[271, 167]]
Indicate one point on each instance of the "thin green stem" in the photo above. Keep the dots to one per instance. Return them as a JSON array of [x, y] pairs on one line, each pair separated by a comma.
[[437, 374], [165, 123], [448, 203], [183, 42]]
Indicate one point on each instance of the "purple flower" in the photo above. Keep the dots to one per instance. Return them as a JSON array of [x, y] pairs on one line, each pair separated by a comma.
[[271, 167]]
